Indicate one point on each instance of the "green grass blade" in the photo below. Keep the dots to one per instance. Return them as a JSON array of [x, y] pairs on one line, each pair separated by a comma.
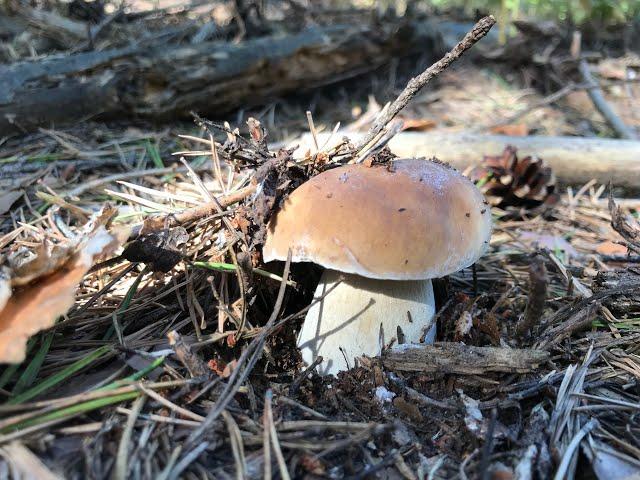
[[83, 407], [10, 370], [8, 374], [92, 404], [130, 293], [59, 377], [125, 303], [31, 372], [154, 153], [217, 266], [229, 267], [136, 376]]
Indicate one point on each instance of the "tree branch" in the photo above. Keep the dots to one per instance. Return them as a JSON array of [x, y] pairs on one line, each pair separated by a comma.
[[416, 84]]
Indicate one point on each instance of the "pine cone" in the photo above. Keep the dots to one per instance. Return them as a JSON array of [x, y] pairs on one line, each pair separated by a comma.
[[507, 181]]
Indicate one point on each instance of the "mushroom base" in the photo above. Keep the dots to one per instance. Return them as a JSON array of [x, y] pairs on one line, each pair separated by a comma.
[[361, 315]]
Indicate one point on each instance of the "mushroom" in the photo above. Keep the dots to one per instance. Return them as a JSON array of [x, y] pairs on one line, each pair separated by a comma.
[[382, 233]]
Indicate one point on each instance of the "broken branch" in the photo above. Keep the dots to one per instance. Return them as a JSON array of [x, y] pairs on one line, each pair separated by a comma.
[[416, 84], [578, 321], [462, 359], [596, 96]]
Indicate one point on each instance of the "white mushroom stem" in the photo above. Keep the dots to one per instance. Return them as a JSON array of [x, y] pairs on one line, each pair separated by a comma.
[[361, 315]]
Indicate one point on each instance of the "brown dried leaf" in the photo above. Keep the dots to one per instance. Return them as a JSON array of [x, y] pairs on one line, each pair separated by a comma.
[[611, 248], [418, 124], [613, 69], [257, 132], [312, 464], [515, 130], [36, 306], [489, 326], [26, 265], [221, 368]]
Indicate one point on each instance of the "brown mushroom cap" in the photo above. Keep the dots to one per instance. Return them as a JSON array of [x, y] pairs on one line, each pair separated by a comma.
[[416, 219]]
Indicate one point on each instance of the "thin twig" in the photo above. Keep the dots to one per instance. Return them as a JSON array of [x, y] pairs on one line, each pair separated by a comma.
[[195, 365], [237, 447], [416, 84], [293, 388], [187, 460], [195, 213], [122, 457], [548, 100], [85, 186], [428, 401], [622, 226], [488, 446], [170, 405], [275, 444]]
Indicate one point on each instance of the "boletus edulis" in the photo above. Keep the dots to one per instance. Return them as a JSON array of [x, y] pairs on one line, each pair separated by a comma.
[[382, 233]]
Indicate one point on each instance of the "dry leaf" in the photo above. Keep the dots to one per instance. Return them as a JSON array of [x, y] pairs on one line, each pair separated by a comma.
[[231, 339], [515, 130], [409, 409], [418, 124], [607, 465], [26, 264], [611, 248], [473, 418], [580, 101], [477, 424], [221, 368], [614, 69], [36, 306], [312, 464]]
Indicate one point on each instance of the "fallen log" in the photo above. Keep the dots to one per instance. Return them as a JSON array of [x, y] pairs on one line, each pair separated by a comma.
[[574, 160], [462, 359], [166, 81]]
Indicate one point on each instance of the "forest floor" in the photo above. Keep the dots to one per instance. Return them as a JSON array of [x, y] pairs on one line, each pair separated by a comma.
[[176, 357]]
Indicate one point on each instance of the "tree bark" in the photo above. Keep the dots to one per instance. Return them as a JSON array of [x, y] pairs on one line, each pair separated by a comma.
[[463, 359], [167, 81]]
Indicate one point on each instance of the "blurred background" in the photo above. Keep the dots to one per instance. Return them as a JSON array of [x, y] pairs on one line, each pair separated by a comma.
[[156, 62]]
